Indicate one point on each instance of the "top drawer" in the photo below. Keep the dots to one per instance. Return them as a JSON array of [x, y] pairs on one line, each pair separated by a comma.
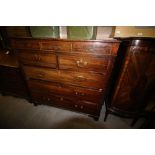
[[97, 48], [56, 46], [25, 44]]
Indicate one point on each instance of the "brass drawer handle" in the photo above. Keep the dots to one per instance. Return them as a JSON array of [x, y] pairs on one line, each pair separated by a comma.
[[75, 106], [89, 50], [85, 63], [81, 106], [80, 94], [7, 52], [80, 63], [61, 99], [80, 78], [40, 75], [36, 58], [100, 90]]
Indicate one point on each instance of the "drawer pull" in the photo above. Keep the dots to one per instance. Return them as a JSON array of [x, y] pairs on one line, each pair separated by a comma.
[[61, 99], [80, 63], [80, 78], [100, 90], [48, 99], [36, 58], [7, 52], [81, 107], [80, 94], [85, 63], [89, 50], [40, 75], [75, 106]]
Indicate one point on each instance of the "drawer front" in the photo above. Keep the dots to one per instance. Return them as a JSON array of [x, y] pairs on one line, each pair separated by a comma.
[[83, 61], [25, 44], [39, 59], [56, 46], [83, 79], [93, 47], [66, 90], [81, 106]]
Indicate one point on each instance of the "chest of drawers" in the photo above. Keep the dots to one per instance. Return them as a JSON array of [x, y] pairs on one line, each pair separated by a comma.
[[65, 73]]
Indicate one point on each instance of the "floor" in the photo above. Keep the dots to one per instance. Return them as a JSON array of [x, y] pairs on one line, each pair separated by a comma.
[[16, 113]]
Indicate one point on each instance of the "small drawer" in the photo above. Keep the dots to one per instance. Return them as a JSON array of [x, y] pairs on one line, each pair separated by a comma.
[[83, 61], [97, 48], [38, 59], [56, 46], [25, 44], [84, 79]]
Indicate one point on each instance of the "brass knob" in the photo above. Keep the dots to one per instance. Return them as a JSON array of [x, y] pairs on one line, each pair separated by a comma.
[[77, 62], [85, 63], [7, 52], [40, 75], [76, 93], [100, 90], [61, 99], [75, 106], [48, 99], [81, 107]]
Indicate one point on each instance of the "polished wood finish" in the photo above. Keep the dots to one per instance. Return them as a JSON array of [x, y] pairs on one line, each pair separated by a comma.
[[65, 73], [136, 77], [37, 59]]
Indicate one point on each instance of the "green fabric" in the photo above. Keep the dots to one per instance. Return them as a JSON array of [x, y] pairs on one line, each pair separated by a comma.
[[81, 32], [44, 31]]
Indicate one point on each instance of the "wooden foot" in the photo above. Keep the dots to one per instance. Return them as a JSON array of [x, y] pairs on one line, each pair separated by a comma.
[[134, 122], [106, 115], [96, 118]]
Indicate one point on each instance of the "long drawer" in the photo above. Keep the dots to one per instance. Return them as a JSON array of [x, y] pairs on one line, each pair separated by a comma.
[[37, 58], [81, 106], [67, 91], [83, 61], [84, 79]]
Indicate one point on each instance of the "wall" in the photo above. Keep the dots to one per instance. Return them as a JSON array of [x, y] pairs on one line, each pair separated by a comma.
[[134, 31], [17, 31]]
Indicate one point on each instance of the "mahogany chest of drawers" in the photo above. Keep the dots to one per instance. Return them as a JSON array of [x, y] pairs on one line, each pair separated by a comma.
[[65, 73]]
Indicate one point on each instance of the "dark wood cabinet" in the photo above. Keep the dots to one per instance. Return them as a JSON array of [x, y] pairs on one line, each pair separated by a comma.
[[11, 78], [135, 77], [64, 73]]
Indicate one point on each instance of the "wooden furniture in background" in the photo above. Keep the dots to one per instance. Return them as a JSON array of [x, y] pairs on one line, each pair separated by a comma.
[[65, 73], [11, 79], [135, 74]]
